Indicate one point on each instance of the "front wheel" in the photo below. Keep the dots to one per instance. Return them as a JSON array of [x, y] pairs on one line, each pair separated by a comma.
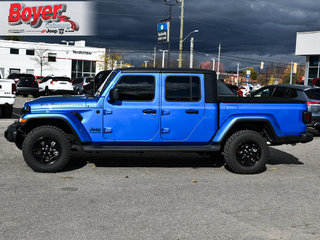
[[47, 149], [246, 152]]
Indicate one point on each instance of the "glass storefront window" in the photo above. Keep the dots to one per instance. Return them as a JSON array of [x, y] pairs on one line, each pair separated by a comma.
[[313, 73], [82, 68], [314, 61]]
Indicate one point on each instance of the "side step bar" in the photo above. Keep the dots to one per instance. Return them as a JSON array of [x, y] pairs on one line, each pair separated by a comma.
[[101, 148]]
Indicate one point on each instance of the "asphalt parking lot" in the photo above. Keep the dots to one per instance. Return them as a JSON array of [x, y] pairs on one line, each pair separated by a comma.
[[160, 196]]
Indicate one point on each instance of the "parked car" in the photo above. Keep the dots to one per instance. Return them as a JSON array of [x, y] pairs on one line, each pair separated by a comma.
[[26, 84], [58, 85], [80, 83], [311, 95], [143, 110], [94, 85], [233, 88], [39, 78], [7, 97]]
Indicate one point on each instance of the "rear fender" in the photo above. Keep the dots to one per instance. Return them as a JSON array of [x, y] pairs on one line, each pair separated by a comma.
[[225, 129]]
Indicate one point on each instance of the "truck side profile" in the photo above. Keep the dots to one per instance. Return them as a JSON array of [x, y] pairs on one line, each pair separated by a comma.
[[142, 110]]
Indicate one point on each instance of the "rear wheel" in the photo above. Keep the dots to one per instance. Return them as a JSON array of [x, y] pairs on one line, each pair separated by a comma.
[[46, 91], [47, 149], [246, 152]]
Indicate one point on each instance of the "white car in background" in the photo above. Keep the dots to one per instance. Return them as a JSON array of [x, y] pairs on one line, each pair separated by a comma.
[[53, 84], [7, 97]]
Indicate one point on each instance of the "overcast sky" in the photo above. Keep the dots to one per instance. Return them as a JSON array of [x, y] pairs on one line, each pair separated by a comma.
[[249, 30]]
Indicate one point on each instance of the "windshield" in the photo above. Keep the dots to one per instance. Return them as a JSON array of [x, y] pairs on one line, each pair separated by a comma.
[[106, 83]]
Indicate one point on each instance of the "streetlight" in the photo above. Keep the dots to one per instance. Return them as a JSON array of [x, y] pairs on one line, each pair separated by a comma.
[[191, 47], [67, 42], [163, 56], [213, 59]]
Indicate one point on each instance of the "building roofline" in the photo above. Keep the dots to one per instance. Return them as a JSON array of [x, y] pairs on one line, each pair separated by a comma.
[[50, 44]]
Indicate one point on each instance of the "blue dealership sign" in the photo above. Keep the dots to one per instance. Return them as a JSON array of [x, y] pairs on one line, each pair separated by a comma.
[[163, 29]]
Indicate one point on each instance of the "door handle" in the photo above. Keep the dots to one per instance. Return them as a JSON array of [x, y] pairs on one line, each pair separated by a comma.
[[149, 111], [192, 111]]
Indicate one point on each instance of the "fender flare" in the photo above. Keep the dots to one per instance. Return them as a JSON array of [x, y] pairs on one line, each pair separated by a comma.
[[71, 120], [273, 129]]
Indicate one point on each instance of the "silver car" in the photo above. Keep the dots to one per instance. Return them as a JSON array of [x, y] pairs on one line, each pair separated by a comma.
[[311, 95]]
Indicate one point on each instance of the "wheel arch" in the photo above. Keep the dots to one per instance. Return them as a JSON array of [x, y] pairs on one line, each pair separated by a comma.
[[59, 122], [263, 126]]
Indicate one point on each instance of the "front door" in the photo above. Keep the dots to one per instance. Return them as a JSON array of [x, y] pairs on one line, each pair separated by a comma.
[[182, 105], [135, 116]]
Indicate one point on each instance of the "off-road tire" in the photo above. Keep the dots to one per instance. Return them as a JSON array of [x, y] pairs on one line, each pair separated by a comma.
[[7, 111], [233, 149], [46, 132]]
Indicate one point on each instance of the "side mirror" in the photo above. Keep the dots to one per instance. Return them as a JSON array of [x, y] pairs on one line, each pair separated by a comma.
[[114, 95]]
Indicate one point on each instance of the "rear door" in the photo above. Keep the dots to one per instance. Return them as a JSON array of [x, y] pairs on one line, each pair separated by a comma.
[[182, 107]]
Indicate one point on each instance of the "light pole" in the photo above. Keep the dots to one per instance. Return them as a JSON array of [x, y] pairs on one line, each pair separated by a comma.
[[67, 42], [163, 56], [213, 59], [146, 63], [191, 49]]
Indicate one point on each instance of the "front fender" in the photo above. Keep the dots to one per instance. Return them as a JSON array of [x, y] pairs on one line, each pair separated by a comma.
[[232, 120], [71, 120]]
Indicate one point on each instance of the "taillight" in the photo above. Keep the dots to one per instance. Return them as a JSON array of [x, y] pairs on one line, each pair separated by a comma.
[[307, 117], [14, 88], [312, 103], [52, 82]]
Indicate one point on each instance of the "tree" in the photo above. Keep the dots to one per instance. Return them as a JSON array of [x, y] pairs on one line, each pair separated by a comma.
[[111, 60], [40, 58], [253, 75]]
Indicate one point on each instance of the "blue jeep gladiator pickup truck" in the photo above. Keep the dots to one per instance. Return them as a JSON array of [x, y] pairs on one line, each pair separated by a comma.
[[142, 110]]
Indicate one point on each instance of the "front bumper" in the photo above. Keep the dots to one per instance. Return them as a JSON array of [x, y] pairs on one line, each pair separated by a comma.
[[13, 131]]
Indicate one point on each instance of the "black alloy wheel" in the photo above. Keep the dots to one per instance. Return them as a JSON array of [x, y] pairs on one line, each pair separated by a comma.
[[248, 154], [46, 150]]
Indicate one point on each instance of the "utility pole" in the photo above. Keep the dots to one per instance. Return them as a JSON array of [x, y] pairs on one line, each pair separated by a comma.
[[181, 33], [213, 63], [219, 55], [291, 72], [238, 69], [191, 51], [154, 56]]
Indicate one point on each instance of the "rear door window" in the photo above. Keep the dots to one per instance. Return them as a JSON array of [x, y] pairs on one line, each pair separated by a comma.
[[280, 92], [292, 93], [183, 89]]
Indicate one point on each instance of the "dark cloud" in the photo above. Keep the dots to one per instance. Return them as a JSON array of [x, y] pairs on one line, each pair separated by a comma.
[[247, 29]]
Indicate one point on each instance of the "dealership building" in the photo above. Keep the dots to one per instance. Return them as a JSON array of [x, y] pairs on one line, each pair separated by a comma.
[[308, 45], [42, 59]]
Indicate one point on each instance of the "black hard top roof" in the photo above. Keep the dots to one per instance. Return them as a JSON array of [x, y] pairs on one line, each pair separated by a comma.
[[295, 86], [164, 70]]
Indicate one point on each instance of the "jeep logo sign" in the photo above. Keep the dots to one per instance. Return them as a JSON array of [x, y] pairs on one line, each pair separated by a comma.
[[46, 18]]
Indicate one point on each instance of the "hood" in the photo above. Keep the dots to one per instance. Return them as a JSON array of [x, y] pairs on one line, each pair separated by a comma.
[[58, 102]]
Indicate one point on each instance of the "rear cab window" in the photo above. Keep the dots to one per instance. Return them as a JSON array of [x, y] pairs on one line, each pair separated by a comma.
[[183, 89], [264, 92]]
